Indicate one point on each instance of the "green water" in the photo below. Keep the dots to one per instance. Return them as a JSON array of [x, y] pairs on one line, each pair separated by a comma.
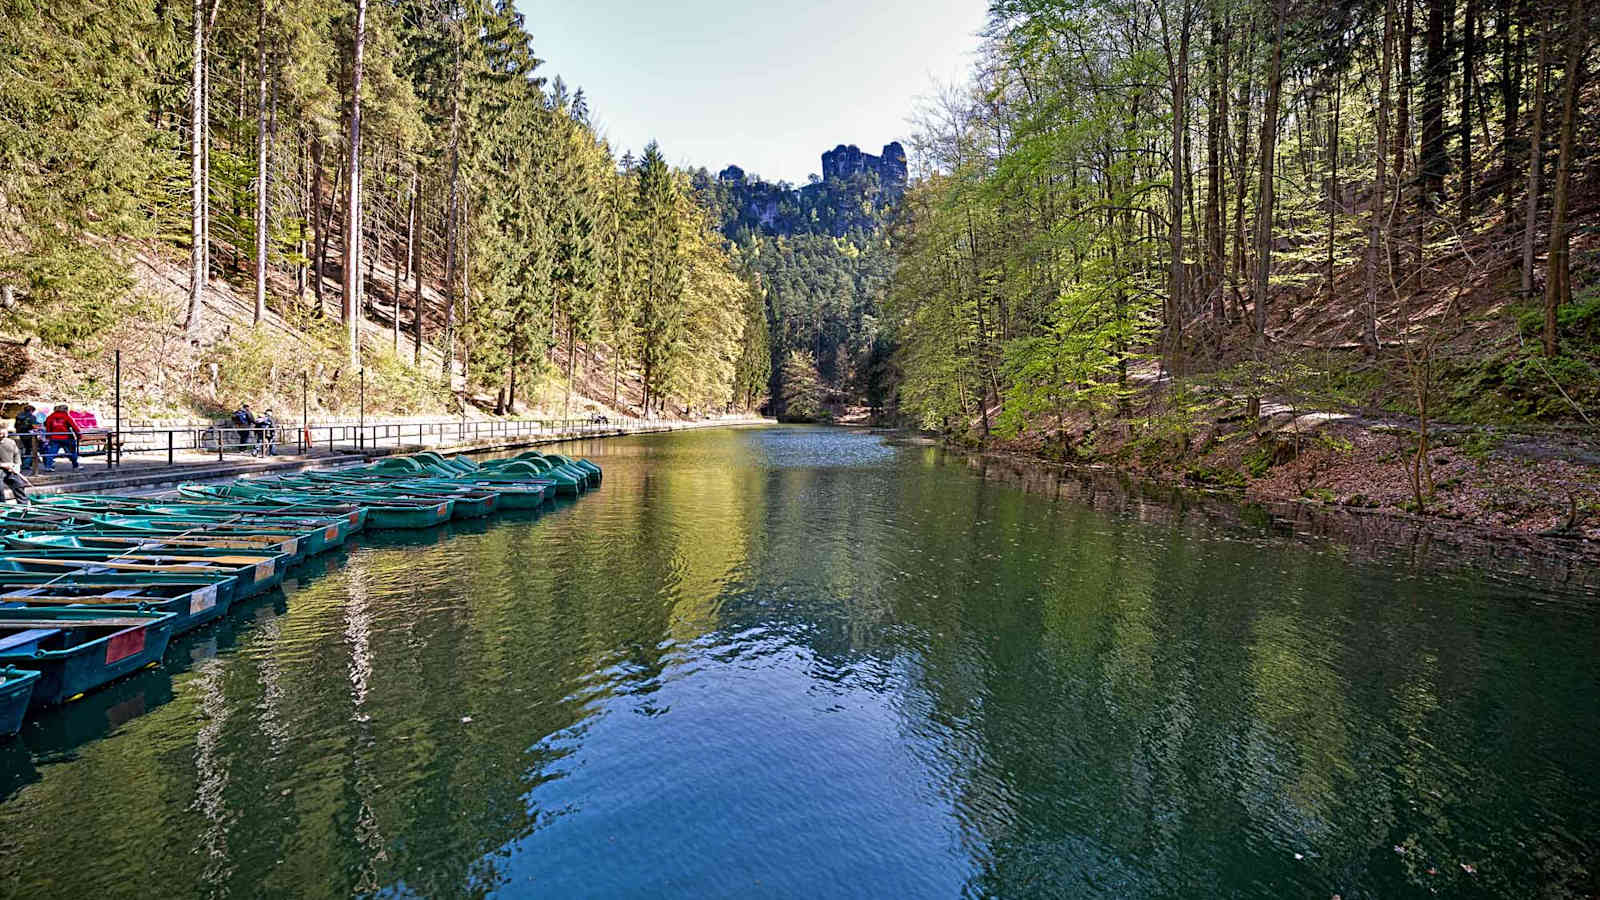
[[811, 663]]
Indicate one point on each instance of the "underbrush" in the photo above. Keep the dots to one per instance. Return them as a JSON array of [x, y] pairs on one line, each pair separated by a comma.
[[1521, 385], [260, 367]]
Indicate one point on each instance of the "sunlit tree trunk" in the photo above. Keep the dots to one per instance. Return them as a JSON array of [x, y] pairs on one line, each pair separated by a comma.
[[197, 185], [261, 161], [351, 308]]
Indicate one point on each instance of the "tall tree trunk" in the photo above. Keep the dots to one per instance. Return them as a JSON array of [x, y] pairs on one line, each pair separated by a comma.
[[1241, 171], [1378, 219], [1433, 161], [1469, 51], [1558, 283], [1216, 126], [1267, 193], [416, 289], [399, 264], [197, 184], [351, 308], [319, 216], [411, 222], [302, 247], [205, 154], [1178, 68], [1333, 177], [1402, 128], [572, 355], [1511, 54], [261, 161], [447, 346], [1530, 225], [466, 286]]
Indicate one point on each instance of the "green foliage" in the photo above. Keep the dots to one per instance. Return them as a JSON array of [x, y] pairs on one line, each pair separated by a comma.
[[803, 391], [79, 160]]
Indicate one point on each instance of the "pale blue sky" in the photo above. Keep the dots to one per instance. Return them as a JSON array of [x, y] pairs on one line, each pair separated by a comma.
[[765, 85]]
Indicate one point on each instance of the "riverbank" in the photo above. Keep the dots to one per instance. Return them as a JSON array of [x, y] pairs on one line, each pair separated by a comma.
[[1513, 483]]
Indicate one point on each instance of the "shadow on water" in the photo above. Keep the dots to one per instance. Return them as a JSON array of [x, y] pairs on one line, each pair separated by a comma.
[[809, 662]]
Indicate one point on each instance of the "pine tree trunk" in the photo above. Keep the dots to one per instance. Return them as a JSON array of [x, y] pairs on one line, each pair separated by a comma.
[[400, 254], [447, 347], [1530, 224], [416, 287], [411, 222], [351, 307], [197, 185], [302, 246], [261, 162], [205, 158], [572, 355], [1558, 283], [319, 215]]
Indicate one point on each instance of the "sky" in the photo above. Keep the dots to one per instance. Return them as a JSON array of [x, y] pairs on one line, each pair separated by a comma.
[[764, 85]]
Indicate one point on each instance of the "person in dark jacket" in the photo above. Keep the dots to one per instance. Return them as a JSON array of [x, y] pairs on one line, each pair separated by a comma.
[[246, 422], [27, 424], [269, 432]]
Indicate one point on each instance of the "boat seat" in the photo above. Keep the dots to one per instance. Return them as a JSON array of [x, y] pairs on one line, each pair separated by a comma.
[[23, 639]]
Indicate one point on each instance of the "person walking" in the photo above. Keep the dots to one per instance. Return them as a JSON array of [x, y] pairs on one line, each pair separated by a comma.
[[60, 433], [11, 465], [28, 423], [269, 432]]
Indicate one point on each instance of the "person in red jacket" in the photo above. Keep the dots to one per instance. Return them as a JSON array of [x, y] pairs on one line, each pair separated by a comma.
[[60, 433]]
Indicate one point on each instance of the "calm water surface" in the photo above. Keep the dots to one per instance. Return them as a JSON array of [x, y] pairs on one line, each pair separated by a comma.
[[810, 663]]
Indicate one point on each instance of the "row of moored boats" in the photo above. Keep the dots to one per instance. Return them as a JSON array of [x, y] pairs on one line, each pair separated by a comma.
[[93, 586]]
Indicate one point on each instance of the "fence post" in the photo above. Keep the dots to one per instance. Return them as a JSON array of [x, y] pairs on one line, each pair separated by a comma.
[[169, 447]]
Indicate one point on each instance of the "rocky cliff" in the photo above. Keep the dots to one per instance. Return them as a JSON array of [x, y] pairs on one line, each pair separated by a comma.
[[844, 161], [857, 192]]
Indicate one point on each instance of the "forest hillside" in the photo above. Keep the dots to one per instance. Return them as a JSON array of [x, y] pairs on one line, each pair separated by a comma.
[[1338, 252], [248, 197]]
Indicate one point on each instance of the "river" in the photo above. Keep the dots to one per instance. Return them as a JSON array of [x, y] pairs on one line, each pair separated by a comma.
[[805, 662]]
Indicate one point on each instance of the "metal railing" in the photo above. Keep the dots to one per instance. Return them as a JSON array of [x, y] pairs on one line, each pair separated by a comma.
[[225, 439]]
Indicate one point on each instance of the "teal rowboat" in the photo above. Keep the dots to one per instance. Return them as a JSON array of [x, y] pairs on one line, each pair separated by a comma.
[[16, 688], [256, 572], [78, 650], [192, 604]]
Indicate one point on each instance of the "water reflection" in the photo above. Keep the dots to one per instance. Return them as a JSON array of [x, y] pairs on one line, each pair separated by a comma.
[[800, 662]]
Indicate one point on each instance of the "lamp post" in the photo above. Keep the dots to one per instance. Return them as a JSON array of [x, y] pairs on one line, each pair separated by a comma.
[[361, 426]]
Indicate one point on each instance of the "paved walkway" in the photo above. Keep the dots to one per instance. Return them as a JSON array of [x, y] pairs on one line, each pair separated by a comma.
[[145, 470]]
